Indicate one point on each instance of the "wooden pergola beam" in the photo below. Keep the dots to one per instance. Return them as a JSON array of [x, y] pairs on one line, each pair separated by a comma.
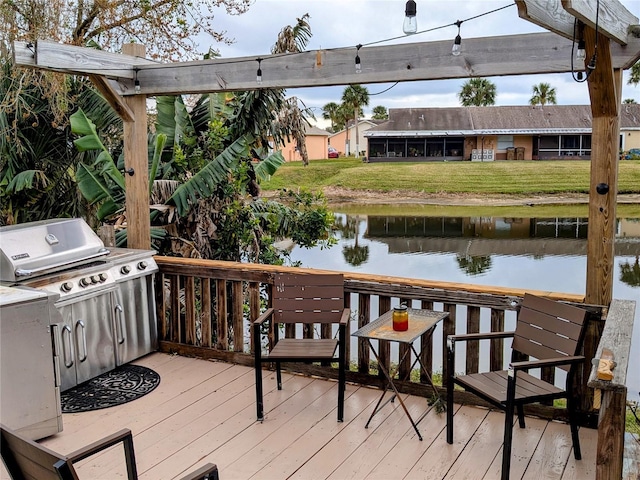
[[611, 16], [528, 54], [558, 16]]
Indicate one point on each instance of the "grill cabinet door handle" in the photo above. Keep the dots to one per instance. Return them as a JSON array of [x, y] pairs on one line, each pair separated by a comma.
[[67, 351], [120, 324], [81, 340]]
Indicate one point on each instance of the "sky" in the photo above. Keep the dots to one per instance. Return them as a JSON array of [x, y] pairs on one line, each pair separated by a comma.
[[345, 23]]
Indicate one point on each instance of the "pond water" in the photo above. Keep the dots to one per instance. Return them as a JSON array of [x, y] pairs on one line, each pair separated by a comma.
[[527, 253]]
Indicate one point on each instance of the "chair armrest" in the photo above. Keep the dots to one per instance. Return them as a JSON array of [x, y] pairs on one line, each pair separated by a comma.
[[346, 315], [478, 336], [268, 313], [549, 362], [207, 472], [123, 436]]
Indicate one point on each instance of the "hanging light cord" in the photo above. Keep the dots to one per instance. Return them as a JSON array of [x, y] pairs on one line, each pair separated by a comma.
[[591, 66]]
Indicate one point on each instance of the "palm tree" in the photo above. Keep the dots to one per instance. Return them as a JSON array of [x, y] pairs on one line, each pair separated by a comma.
[[356, 97], [477, 92], [380, 113], [629, 100], [330, 112], [543, 94]]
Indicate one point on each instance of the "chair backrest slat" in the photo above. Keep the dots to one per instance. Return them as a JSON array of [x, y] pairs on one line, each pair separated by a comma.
[[27, 459], [303, 298], [548, 329]]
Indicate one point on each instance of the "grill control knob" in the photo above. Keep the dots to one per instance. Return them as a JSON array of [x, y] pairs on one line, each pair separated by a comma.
[[125, 269], [95, 279], [103, 277], [142, 265], [85, 282], [66, 287]]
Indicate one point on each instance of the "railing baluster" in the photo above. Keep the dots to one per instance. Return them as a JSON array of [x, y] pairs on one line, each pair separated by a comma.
[[473, 348], [254, 308], [426, 347], [221, 315], [189, 311], [496, 346], [205, 291], [384, 347], [174, 325], [364, 306], [237, 317], [404, 351]]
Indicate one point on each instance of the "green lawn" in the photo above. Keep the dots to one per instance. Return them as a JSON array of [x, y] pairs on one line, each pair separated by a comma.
[[514, 178]]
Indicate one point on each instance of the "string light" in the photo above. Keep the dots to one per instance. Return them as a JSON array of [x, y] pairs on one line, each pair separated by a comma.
[[457, 42], [358, 64], [581, 52], [410, 24], [259, 71]]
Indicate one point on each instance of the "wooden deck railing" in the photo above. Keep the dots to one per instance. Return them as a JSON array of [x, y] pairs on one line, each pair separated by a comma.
[[611, 395], [205, 308]]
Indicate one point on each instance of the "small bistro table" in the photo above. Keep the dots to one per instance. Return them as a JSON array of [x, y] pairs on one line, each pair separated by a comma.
[[420, 322]]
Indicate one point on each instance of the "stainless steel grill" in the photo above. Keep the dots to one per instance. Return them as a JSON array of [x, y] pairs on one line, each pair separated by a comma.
[[106, 296]]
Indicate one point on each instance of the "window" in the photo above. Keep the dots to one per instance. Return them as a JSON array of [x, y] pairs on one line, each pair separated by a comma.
[[505, 141]]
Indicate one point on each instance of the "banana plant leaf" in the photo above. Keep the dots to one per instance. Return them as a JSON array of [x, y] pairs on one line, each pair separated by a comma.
[[204, 183], [174, 121], [267, 167], [81, 125]]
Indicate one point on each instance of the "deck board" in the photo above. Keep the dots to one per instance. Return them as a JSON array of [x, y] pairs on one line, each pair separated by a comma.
[[204, 411]]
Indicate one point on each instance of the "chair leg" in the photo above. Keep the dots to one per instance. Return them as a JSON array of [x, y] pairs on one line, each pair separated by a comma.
[[450, 366], [341, 372], [279, 375], [258, 370], [508, 426], [573, 423], [521, 415]]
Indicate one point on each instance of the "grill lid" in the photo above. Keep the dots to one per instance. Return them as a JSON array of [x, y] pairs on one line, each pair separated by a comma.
[[37, 248]]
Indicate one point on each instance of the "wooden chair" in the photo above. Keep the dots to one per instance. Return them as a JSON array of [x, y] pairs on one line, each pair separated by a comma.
[[548, 331], [304, 299], [28, 460]]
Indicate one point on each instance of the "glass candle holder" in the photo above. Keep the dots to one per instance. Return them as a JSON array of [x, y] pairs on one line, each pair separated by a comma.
[[400, 318]]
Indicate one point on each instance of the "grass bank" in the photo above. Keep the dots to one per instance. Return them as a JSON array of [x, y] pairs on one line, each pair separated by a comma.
[[496, 178]]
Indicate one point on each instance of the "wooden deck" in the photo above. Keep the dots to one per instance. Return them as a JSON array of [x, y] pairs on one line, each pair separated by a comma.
[[204, 411]]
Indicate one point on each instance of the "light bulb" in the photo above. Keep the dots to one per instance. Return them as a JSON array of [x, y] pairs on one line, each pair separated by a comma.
[[581, 53], [457, 47], [410, 24], [136, 85], [259, 72], [358, 64]]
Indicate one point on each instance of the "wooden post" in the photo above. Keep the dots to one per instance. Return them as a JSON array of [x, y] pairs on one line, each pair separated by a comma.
[[136, 162], [616, 338], [604, 90]]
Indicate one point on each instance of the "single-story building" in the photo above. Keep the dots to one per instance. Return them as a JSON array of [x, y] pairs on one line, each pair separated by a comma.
[[345, 140], [492, 133], [316, 141]]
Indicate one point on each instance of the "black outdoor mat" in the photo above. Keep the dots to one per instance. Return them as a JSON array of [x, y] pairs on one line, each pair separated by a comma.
[[122, 385]]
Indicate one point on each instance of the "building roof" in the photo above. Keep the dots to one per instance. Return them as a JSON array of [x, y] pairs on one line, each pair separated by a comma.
[[313, 130], [493, 120]]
